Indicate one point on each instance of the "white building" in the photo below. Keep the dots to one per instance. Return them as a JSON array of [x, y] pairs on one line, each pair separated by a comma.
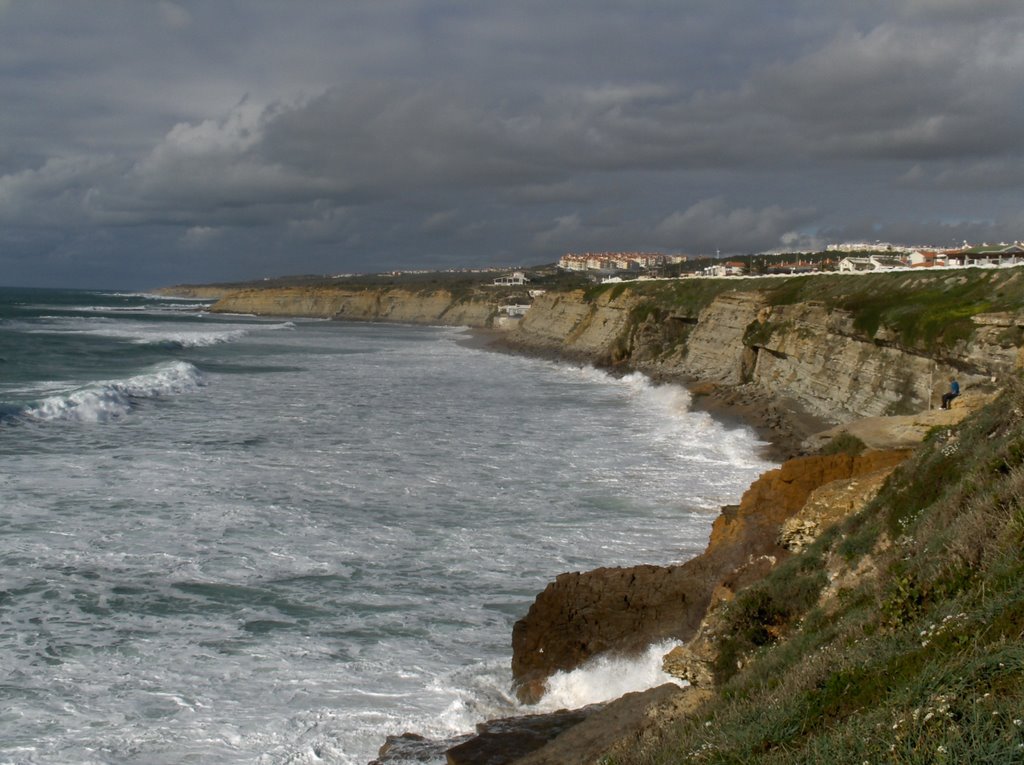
[[517, 278], [870, 263], [610, 261], [729, 268], [863, 247]]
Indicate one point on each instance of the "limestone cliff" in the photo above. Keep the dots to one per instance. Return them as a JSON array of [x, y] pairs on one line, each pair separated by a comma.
[[841, 348], [435, 307], [195, 291], [573, 325]]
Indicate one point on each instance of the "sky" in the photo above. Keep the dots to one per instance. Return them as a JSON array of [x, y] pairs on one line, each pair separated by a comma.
[[150, 142]]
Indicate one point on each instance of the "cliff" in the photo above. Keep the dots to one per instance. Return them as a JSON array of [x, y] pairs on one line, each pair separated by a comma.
[[868, 607], [839, 347], [580, 615], [895, 636], [195, 291], [425, 306], [847, 609]]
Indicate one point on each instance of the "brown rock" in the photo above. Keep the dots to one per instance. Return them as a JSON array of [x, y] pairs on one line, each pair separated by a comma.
[[905, 431], [752, 529], [623, 610], [412, 747], [581, 615], [829, 504], [684, 662], [498, 742], [632, 723]]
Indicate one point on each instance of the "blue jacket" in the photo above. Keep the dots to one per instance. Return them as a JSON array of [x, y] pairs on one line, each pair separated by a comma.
[[954, 388]]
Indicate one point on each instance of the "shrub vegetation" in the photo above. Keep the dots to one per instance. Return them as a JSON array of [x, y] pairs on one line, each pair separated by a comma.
[[921, 662]]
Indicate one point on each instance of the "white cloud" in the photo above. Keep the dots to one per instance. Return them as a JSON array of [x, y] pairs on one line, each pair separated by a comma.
[[57, 193]]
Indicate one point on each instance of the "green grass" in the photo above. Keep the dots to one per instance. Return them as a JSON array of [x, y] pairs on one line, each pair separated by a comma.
[[923, 662], [926, 311], [844, 443]]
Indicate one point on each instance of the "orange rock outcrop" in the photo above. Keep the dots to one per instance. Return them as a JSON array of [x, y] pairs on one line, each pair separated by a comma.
[[623, 610]]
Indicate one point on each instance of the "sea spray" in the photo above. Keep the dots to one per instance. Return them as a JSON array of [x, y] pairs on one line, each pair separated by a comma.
[[607, 677], [105, 400], [152, 333], [287, 546]]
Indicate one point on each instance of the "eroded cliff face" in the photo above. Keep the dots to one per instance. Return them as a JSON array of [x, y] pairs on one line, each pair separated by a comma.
[[438, 307], [581, 615], [198, 291], [805, 351], [571, 325]]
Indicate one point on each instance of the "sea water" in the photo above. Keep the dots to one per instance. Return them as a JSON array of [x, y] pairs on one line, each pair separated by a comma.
[[226, 539]]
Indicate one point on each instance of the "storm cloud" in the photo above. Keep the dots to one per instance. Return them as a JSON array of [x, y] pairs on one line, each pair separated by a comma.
[[152, 142]]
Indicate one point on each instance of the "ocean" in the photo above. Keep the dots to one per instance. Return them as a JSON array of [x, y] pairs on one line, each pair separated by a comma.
[[226, 539]]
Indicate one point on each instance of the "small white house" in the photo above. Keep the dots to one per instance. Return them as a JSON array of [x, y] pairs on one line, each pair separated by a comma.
[[729, 268], [869, 263], [517, 278]]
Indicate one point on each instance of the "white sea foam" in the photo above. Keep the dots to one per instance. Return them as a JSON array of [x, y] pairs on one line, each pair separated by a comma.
[[290, 567], [605, 678], [149, 333], [110, 399]]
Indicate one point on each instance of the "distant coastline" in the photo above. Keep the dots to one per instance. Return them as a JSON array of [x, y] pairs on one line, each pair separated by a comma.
[[791, 358]]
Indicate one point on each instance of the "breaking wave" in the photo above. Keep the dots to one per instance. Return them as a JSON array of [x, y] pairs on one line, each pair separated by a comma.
[[108, 400], [148, 333], [605, 678]]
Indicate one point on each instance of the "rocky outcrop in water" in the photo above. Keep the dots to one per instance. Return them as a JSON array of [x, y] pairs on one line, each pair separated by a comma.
[[623, 610]]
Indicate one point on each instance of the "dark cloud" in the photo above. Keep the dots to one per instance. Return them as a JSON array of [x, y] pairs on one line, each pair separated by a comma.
[[191, 141], [704, 226]]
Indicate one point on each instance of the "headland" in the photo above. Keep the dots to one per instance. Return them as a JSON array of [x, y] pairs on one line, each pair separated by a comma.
[[885, 522]]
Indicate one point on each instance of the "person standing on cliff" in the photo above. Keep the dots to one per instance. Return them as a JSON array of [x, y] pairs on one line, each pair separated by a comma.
[[954, 391]]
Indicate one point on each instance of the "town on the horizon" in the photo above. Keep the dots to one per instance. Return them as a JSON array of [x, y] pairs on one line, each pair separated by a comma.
[[857, 257], [845, 257]]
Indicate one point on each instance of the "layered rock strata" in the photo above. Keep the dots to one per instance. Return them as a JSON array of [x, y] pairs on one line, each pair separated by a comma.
[[434, 307], [734, 336], [805, 352]]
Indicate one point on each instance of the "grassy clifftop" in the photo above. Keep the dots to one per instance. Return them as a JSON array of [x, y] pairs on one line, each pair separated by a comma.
[[924, 309], [898, 636]]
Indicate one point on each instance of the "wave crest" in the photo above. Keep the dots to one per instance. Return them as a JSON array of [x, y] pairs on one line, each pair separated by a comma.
[[108, 400], [607, 677], [177, 335]]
